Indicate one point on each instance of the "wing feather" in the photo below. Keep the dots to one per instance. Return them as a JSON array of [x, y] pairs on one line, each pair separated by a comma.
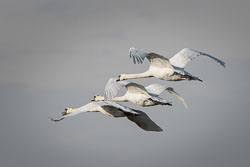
[[144, 122], [119, 106], [156, 88], [183, 57], [139, 55], [113, 87], [171, 91], [136, 88]]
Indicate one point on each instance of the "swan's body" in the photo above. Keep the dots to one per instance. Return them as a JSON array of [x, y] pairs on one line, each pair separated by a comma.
[[114, 110], [166, 69], [136, 93]]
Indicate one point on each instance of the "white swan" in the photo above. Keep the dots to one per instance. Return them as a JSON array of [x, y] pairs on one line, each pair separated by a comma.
[[166, 69], [137, 94], [114, 110]]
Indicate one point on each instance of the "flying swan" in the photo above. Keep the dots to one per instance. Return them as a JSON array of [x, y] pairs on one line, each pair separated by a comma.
[[137, 94], [166, 69], [115, 110]]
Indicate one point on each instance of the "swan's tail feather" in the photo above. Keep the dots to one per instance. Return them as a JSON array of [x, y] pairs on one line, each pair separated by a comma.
[[166, 104], [191, 77], [169, 104], [186, 76], [196, 78]]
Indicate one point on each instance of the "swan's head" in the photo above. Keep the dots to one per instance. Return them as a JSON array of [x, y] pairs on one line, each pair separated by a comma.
[[97, 98], [121, 77], [67, 111]]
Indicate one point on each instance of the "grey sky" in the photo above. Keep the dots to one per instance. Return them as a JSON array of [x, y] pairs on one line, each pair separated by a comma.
[[59, 53]]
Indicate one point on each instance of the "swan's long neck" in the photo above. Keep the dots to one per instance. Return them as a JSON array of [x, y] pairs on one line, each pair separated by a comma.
[[119, 99], [74, 110], [77, 110], [115, 99], [139, 75]]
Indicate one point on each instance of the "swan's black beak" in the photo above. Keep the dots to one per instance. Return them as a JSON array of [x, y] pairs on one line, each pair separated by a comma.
[[64, 112], [118, 79], [93, 99]]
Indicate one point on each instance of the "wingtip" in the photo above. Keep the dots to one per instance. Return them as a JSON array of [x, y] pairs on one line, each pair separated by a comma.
[[55, 120], [131, 48], [51, 119], [224, 64], [154, 130], [160, 130], [185, 105]]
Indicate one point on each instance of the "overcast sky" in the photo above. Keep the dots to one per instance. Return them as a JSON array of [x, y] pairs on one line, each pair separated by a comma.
[[59, 53]]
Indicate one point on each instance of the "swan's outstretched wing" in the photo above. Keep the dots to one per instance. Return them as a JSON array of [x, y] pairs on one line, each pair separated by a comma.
[[156, 60], [113, 87], [118, 106], [156, 88], [138, 55], [144, 122], [136, 88], [171, 91], [182, 58]]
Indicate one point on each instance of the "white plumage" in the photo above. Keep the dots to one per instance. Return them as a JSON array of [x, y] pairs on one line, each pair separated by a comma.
[[182, 58], [166, 69], [115, 110], [137, 94], [160, 67]]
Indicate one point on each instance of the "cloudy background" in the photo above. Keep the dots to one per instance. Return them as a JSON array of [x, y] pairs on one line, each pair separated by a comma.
[[59, 53]]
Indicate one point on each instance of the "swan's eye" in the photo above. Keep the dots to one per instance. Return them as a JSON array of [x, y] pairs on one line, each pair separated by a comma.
[[66, 109]]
